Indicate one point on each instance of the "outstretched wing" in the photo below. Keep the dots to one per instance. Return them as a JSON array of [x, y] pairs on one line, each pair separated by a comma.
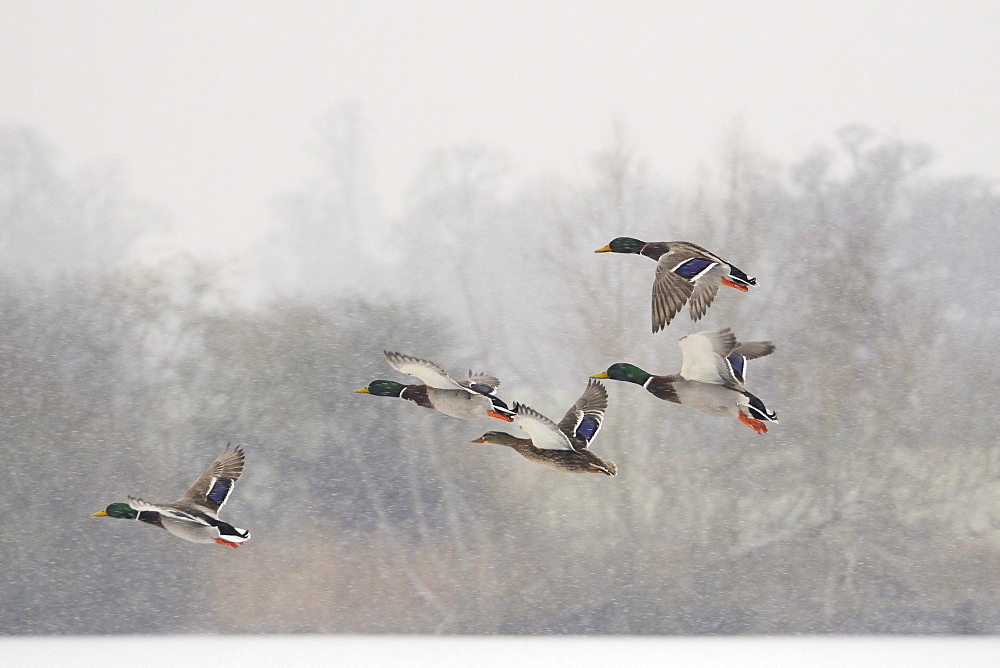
[[677, 273], [429, 373], [716, 357], [737, 360], [670, 292], [702, 297], [544, 433], [754, 349], [211, 490], [583, 420], [704, 356]]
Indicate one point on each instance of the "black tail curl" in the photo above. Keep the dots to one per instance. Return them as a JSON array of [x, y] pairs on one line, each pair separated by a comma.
[[759, 411], [501, 407]]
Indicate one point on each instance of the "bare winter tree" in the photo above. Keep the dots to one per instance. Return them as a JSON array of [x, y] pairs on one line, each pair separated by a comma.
[[873, 506], [51, 223]]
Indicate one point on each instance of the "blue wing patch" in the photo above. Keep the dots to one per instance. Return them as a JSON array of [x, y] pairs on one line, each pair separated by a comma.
[[587, 428], [220, 490], [691, 269], [738, 364], [480, 388]]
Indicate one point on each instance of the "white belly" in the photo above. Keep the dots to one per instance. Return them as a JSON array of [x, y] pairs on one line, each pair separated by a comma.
[[715, 400], [459, 403], [196, 533]]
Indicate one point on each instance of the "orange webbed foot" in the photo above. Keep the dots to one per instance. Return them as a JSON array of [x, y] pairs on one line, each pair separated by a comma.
[[226, 542], [756, 425], [499, 416], [741, 288]]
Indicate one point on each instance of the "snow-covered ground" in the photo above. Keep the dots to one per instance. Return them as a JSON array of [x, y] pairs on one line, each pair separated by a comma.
[[441, 652]]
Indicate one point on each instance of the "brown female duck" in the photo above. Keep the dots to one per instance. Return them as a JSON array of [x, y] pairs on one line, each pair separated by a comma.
[[564, 446]]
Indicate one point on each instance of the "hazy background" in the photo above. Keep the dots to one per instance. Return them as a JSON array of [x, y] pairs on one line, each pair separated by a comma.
[[212, 110], [214, 219]]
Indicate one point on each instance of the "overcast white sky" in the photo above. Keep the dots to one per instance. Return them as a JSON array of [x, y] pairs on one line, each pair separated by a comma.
[[209, 108]]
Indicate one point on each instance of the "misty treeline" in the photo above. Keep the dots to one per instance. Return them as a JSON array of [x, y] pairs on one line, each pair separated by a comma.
[[871, 507]]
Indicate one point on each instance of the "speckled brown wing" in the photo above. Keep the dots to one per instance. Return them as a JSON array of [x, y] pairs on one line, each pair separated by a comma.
[[583, 420]]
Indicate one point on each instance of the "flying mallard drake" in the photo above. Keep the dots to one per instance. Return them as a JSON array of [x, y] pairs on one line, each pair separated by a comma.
[[685, 272], [564, 446], [470, 399], [194, 516], [712, 378]]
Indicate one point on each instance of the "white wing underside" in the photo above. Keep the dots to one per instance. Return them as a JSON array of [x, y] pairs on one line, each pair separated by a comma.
[[544, 432], [701, 362], [427, 372]]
